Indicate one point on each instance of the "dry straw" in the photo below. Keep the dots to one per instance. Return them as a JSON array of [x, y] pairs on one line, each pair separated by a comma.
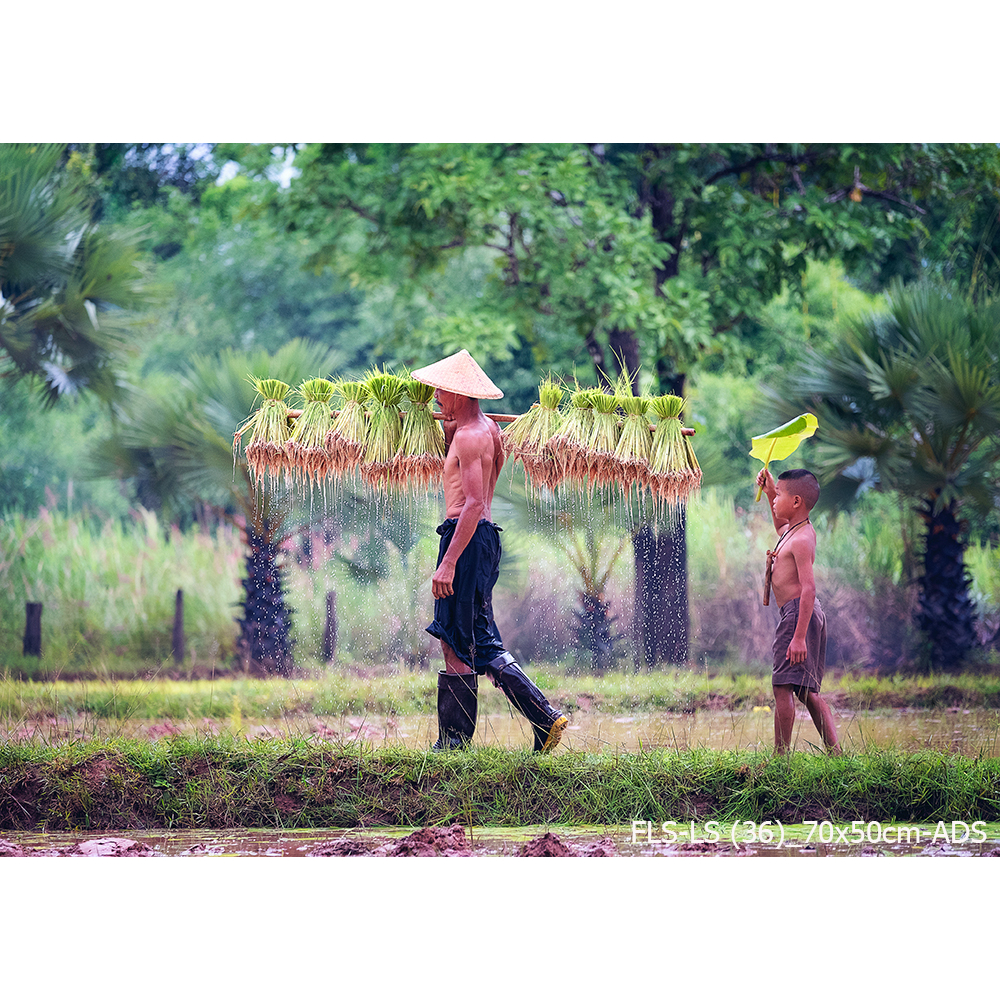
[[266, 452]]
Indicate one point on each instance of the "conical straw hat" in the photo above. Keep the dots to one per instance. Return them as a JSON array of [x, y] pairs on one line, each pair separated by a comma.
[[460, 374]]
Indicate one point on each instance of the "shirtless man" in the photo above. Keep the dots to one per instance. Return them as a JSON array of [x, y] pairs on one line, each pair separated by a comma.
[[800, 639], [469, 564]]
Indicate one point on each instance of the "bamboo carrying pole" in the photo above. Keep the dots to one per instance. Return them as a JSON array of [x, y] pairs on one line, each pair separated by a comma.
[[500, 418]]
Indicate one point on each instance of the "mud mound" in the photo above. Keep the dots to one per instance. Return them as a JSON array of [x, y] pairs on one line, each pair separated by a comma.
[[112, 847], [431, 842], [11, 850], [548, 845], [105, 847], [603, 848], [345, 847]]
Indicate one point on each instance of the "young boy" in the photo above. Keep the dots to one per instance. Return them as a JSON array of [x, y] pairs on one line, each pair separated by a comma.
[[800, 639]]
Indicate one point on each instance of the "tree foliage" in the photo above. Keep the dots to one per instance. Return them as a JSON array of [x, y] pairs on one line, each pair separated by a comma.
[[237, 283], [68, 287], [909, 401], [654, 251]]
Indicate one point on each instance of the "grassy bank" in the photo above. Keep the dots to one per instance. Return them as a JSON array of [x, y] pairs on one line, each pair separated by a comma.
[[220, 783], [335, 694]]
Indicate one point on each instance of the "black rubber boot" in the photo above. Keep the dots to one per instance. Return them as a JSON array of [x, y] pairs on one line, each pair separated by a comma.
[[546, 722], [458, 700]]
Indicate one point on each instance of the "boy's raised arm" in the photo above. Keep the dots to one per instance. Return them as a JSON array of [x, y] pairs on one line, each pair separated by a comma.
[[765, 481]]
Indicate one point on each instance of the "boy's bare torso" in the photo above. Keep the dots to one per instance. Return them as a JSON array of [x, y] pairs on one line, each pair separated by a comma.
[[795, 546]]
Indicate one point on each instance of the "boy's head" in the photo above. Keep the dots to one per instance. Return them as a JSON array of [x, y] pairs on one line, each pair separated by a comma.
[[800, 483]]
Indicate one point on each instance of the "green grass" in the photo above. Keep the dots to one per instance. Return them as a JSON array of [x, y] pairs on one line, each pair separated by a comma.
[[108, 591], [333, 694], [218, 783]]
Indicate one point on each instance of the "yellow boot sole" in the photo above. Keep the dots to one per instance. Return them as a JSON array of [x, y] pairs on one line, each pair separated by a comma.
[[555, 734]]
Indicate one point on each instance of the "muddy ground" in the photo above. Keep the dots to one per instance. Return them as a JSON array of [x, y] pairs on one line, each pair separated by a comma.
[[441, 842], [430, 842]]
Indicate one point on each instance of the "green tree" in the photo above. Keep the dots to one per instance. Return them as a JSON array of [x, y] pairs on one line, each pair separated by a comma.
[[175, 443], [235, 281], [909, 401], [69, 288], [43, 459], [957, 243], [142, 174]]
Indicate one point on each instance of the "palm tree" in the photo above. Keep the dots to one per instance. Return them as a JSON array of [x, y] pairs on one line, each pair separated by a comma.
[[67, 287], [176, 443], [909, 401]]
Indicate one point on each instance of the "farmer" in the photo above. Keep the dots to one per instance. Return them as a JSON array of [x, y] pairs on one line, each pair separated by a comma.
[[469, 564], [800, 639]]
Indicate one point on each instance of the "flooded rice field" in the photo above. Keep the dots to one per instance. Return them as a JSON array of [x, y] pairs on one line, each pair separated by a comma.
[[972, 732]]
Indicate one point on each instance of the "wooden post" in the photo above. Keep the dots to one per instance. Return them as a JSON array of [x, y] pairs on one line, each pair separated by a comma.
[[177, 642], [32, 629], [329, 650]]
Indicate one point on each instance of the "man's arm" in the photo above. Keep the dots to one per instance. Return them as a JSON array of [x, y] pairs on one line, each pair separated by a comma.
[[468, 449], [448, 426], [803, 552]]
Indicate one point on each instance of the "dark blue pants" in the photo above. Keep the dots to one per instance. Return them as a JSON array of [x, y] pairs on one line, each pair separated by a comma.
[[465, 619]]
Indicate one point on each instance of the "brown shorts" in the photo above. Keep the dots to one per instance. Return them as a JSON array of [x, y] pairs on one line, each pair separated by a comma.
[[807, 676]]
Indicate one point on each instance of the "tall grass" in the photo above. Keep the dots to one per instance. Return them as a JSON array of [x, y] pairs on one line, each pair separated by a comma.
[[108, 591]]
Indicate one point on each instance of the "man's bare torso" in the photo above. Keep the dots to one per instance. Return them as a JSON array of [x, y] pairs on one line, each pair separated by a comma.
[[479, 441]]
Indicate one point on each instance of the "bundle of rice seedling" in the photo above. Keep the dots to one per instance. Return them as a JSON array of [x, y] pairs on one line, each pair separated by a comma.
[[385, 426], [569, 448], [345, 442], [634, 444], [269, 432], [674, 473], [604, 437], [693, 466], [521, 433], [526, 438], [420, 459], [307, 451]]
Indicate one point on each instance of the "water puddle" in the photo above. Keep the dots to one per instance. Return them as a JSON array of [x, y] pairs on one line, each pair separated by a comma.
[[637, 840]]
